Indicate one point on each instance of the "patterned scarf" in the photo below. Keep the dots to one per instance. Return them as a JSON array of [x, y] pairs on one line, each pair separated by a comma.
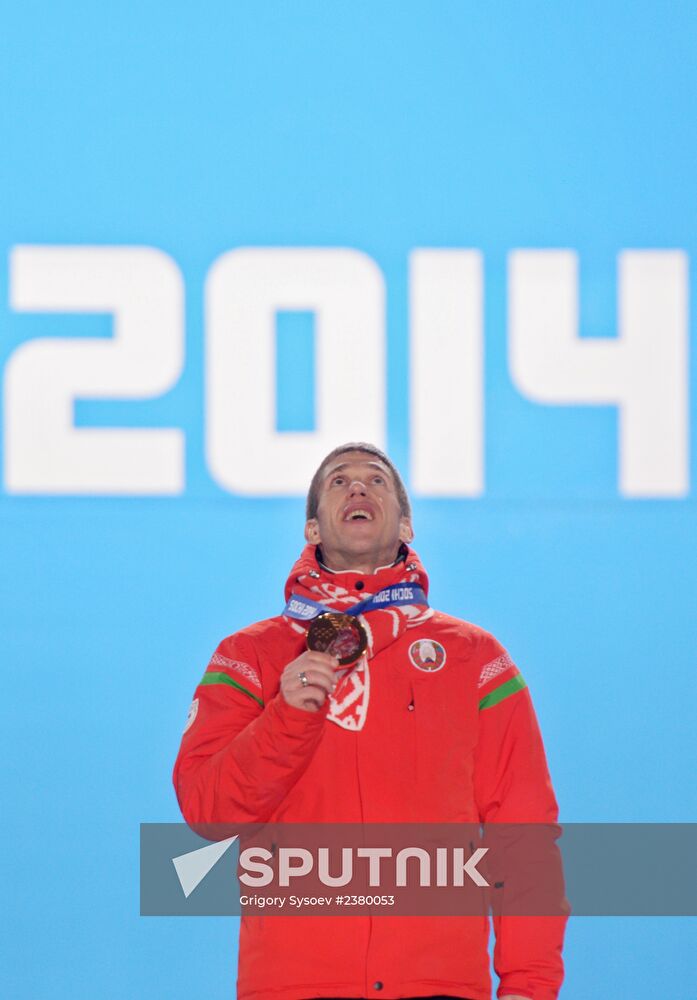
[[348, 705]]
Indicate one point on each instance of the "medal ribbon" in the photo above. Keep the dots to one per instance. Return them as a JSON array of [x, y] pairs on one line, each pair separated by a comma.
[[304, 609]]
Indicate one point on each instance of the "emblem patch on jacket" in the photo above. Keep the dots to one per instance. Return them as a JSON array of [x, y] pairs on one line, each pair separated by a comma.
[[348, 705], [427, 654], [191, 717]]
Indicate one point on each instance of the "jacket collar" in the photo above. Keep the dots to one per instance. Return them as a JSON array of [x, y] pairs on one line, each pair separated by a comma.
[[407, 567]]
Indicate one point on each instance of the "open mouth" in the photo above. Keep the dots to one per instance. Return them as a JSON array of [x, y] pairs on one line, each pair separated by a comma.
[[358, 514]]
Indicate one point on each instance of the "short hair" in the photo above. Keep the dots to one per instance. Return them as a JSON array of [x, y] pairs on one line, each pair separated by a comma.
[[367, 449]]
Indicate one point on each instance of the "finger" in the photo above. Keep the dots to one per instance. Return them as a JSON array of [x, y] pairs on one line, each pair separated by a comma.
[[327, 659], [309, 705], [319, 670], [316, 678], [317, 698], [320, 661], [323, 661], [306, 667]]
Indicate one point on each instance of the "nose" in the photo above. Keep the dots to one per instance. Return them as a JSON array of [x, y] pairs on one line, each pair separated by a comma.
[[357, 486]]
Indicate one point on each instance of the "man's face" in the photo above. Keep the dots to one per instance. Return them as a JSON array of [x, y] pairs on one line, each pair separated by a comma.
[[358, 523]]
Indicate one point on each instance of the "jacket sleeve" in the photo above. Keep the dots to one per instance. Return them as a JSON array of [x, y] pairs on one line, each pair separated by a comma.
[[512, 786], [239, 756]]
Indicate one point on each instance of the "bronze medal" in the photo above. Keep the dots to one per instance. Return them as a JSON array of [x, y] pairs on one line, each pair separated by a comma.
[[339, 635]]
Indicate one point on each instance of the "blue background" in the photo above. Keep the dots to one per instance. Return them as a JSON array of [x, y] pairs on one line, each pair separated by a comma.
[[382, 126]]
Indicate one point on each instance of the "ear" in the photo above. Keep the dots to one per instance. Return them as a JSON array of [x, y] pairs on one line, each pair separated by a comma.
[[406, 532], [312, 531]]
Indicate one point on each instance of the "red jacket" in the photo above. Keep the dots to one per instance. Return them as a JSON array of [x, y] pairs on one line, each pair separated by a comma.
[[458, 743]]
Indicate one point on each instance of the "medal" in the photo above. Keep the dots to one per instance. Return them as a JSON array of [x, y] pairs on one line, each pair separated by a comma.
[[339, 635]]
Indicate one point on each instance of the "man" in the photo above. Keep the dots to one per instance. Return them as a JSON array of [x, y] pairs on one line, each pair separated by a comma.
[[433, 724]]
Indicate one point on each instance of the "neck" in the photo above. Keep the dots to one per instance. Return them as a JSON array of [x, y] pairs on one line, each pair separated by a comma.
[[365, 564]]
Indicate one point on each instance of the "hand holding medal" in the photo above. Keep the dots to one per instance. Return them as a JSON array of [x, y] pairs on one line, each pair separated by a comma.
[[340, 635], [309, 680], [336, 637]]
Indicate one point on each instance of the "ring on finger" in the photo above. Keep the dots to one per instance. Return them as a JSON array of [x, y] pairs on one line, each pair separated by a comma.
[[302, 676]]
